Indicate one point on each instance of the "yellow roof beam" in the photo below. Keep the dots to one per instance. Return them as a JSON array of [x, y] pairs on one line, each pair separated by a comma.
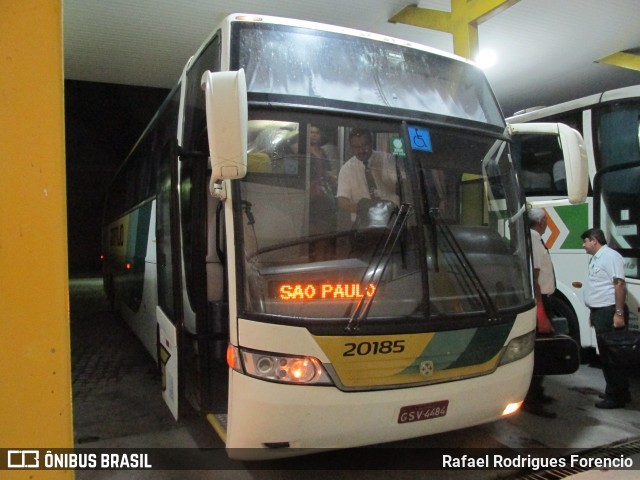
[[624, 59], [462, 21], [424, 17]]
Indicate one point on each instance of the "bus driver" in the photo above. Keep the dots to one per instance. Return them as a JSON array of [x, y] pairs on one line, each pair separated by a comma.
[[369, 174]]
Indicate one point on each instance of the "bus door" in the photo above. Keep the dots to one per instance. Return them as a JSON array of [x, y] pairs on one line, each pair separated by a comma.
[[205, 292], [169, 310]]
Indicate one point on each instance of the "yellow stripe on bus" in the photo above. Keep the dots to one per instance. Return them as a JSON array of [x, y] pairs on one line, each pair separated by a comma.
[[373, 361]]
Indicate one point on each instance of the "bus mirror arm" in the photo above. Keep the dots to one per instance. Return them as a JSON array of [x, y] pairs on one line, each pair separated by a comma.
[[218, 189], [574, 156], [227, 119]]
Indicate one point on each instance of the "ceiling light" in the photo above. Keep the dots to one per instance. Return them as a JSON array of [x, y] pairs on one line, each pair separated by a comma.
[[486, 59]]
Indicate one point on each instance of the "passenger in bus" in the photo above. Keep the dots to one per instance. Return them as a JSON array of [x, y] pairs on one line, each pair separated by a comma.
[[321, 147], [544, 284], [322, 202], [368, 175], [323, 176]]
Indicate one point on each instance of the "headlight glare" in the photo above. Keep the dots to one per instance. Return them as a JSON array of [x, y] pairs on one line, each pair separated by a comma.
[[284, 368]]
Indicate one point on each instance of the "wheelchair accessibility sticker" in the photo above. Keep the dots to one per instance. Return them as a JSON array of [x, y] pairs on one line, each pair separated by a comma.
[[420, 139]]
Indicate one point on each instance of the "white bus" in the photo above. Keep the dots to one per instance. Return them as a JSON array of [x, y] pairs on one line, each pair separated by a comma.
[[610, 125], [289, 325]]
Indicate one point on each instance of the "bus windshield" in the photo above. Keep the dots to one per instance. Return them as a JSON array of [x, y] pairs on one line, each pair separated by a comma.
[[322, 66], [460, 251]]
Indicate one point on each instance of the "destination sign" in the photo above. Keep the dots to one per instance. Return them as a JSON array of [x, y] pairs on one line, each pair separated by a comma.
[[321, 291]]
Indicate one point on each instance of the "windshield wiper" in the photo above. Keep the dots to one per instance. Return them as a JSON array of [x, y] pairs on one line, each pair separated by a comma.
[[364, 305], [467, 268]]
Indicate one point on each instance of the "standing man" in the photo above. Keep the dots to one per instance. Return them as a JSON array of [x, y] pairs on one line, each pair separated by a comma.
[[368, 174], [604, 294], [544, 284]]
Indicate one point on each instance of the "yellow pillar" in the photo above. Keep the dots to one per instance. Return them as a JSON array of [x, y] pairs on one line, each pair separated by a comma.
[[462, 21], [35, 366]]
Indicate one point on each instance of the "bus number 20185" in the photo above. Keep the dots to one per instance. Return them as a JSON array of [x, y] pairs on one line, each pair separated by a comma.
[[373, 348]]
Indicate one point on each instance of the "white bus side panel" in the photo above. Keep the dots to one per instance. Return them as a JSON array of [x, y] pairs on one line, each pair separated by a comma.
[[168, 351], [570, 264], [143, 322]]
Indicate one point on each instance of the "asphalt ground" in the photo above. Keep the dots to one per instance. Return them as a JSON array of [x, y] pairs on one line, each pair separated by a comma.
[[115, 382]]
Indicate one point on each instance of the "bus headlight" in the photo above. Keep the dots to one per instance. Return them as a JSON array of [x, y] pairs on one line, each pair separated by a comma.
[[518, 348], [279, 368]]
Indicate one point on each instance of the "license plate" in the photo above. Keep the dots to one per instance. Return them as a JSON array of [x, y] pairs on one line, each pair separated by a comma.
[[425, 411]]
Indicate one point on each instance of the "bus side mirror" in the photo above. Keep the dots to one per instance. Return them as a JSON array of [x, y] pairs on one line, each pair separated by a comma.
[[573, 152], [226, 107]]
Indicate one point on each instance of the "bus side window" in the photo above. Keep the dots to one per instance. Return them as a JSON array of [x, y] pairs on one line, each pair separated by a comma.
[[536, 177], [542, 166]]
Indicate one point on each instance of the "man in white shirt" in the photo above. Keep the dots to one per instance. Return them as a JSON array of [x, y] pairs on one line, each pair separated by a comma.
[[544, 284], [544, 281], [368, 174], [604, 294]]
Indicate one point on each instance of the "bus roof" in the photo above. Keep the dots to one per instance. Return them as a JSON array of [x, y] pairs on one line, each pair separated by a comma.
[[578, 104], [338, 29]]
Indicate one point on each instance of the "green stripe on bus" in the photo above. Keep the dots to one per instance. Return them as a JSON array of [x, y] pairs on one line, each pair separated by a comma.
[[576, 220]]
